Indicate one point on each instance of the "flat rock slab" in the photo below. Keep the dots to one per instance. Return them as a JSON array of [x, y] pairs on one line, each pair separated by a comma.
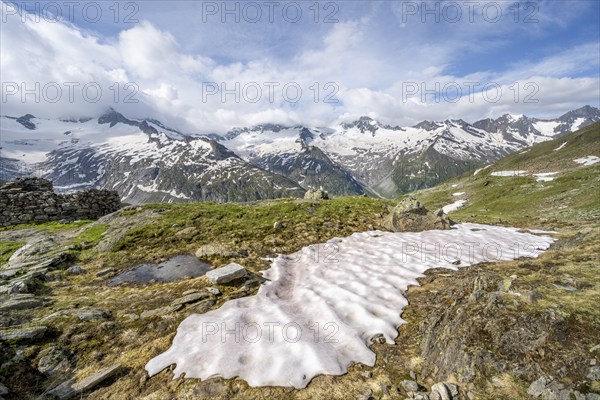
[[28, 333], [19, 302], [191, 298], [82, 314], [68, 389], [161, 311], [226, 274], [176, 268]]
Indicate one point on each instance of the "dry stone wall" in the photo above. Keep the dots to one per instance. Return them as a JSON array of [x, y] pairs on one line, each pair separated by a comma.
[[32, 200]]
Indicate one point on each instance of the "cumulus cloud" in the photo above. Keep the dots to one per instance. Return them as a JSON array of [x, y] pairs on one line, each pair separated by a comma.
[[375, 62]]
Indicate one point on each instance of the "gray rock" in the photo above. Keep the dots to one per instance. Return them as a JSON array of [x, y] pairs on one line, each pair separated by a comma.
[[69, 389], [54, 360], [23, 333], [96, 378], [594, 373], [186, 231], [19, 302], [592, 396], [410, 386], [190, 298], [553, 394], [76, 270], [213, 290], [537, 387], [226, 274], [3, 390], [567, 287], [411, 216], [532, 296], [105, 272], [131, 316], [220, 250], [277, 225], [441, 391], [19, 287], [82, 314], [316, 194], [161, 311], [453, 389]]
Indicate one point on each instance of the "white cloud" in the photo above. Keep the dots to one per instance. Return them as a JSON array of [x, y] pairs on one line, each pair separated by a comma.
[[369, 63]]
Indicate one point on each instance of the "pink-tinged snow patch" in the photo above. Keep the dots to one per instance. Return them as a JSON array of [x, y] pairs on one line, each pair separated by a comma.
[[322, 306]]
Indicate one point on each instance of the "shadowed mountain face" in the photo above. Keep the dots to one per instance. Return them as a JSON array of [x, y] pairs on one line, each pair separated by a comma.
[[146, 161]]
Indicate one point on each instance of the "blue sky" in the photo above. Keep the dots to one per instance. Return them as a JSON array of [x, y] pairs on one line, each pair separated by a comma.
[[369, 49]]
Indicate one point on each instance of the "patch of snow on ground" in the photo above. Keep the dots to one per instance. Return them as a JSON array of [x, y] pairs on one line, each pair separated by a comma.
[[455, 185], [577, 123], [458, 194], [561, 146], [509, 173], [587, 161], [323, 305], [545, 176], [454, 206], [546, 128]]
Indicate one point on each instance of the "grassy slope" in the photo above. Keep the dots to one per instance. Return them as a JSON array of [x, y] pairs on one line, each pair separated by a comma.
[[521, 201]]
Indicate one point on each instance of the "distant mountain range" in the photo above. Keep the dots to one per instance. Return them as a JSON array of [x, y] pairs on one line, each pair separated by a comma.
[[146, 161]]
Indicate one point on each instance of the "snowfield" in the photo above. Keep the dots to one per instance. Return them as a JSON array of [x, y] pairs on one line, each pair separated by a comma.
[[323, 306]]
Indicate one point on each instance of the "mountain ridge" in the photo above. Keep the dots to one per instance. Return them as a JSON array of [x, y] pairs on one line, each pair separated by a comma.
[[146, 160]]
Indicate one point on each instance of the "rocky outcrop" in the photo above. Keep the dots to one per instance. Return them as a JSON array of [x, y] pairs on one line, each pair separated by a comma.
[[316, 194], [412, 216], [32, 200]]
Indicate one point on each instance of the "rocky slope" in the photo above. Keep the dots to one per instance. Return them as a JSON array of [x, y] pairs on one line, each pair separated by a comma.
[[145, 161], [391, 160]]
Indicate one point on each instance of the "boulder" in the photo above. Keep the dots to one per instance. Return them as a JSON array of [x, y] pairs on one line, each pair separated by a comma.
[[412, 216], [440, 391], [76, 270], [54, 361], [226, 274], [316, 194], [410, 386]]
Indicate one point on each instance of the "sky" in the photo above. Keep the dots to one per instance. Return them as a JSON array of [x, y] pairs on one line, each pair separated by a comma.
[[209, 66]]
